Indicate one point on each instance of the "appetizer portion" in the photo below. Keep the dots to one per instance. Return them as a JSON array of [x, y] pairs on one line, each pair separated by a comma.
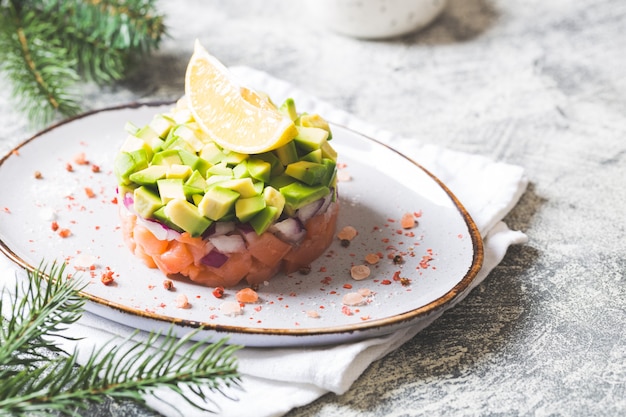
[[227, 186]]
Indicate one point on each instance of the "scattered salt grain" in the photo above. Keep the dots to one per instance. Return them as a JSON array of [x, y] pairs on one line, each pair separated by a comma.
[[231, 308], [182, 301], [360, 272], [353, 299]]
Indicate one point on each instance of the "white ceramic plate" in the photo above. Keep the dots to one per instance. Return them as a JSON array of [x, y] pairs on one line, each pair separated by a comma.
[[442, 254]]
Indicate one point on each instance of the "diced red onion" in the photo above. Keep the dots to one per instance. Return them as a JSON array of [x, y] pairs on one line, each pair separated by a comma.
[[222, 228], [128, 200], [214, 258], [327, 200], [289, 230], [306, 212], [228, 243]]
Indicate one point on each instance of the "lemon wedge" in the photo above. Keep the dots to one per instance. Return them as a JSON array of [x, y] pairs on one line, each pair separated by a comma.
[[235, 117]]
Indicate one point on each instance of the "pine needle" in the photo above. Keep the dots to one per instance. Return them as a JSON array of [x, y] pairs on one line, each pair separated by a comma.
[[34, 383]]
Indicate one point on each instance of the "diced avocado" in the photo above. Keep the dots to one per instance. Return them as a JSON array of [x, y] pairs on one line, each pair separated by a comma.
[[310, 138], [287, 153], [151, 137], [211, 180], [201, 165], [277, 166], [264, 219], [247, 208], [196, 180], [258, 186], [196, 199], [189, 136], [126, 163], [171, 189], [315, 120], [180, 144], [133, 143], [288, 108], [259, 169], [212, 153], [191, 191], [329, 152], [217, 202], [146, 202], [241, 170], [244, 186], [162, 124], [233, 158], [274, 198], [309, 173], [220, 169], [149, 176], [281, 180], [163, 218], [313, 156], [188, 157], [178, 171], [298, 195], [186, 216], [331, 171], [167, 157]]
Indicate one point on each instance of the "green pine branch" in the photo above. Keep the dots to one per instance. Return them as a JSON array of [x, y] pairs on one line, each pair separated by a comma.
[[47, 46], [33, 383]]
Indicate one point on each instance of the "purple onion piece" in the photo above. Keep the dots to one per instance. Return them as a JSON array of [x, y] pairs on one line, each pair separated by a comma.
[[289, 230], [214, 259], [306, 212], [128, 200]]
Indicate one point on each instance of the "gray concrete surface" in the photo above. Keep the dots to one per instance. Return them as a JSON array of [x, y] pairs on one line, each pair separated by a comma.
[[541, 84]]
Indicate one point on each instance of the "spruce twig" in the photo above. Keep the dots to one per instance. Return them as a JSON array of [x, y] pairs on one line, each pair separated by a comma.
[[48, 46], [36, 384]]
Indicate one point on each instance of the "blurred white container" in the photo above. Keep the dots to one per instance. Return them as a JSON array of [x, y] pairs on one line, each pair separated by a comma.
[[375, 19]]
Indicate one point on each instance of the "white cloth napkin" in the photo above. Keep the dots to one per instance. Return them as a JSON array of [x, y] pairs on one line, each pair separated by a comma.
[[276, 380]]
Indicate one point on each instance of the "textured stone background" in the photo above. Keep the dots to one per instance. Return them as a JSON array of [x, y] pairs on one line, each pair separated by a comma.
[[541, 84]]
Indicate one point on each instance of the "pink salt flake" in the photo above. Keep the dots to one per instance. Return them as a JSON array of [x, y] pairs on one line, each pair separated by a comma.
[[360, 272], [365, 292], [313, 314], [353, 299], [347, 233], [231, 308], [182, 301]]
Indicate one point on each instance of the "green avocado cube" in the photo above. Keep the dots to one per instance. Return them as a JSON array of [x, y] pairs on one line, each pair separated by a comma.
[[167, 157], [272, 159], [178, 171], [217, 202], [309, 173], [244, 186], [281, 180], [287, 153], [211, 180], [298, 194], [163, 218], [288, 108], [264, 219], [126, 163], [220, 169], [328, 151], [233, 158], [259, 169], [189, 135], [274, 198], [331, 171], [149, 175], [315, 120], [146, 202], [196, 180], [171, 189], [313, 156], [241, 170], [212, 153], [161, 125], [133, 143], [310, 138], [180, 144], [247, 208], [186, 216]]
